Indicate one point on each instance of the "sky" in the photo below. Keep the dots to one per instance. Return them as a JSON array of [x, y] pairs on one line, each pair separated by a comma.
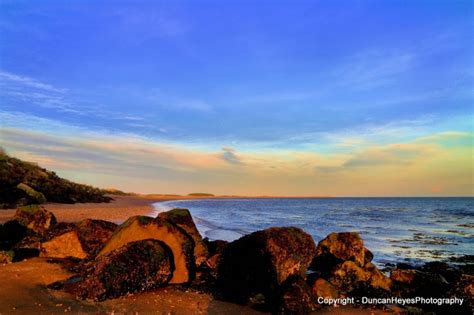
[[287, 98]]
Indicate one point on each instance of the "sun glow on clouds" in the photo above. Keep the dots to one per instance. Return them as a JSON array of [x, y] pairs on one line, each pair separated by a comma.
[[130, 162]]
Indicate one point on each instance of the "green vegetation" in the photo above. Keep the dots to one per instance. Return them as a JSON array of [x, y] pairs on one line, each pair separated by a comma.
[[23, 183], [201, 195]]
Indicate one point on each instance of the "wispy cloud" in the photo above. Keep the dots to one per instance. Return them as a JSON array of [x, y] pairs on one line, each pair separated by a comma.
[[230, 156], [373, 68], [29, 82]]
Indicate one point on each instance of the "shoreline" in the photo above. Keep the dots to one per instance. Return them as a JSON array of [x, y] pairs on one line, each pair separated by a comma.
[[117, 210]]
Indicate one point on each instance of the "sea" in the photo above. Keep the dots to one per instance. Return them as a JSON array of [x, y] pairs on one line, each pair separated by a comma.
[[413, 230]]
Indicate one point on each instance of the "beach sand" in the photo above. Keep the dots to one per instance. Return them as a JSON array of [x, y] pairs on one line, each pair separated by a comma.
[[23, 291], [118, 210]]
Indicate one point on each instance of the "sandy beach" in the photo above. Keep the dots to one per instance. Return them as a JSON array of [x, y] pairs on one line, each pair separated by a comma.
[[118, 210]]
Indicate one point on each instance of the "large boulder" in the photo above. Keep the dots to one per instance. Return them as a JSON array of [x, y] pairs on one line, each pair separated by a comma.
[[77, 240], [183, 219], [258, 263], [134, 267], [142, 227], [35, 218]]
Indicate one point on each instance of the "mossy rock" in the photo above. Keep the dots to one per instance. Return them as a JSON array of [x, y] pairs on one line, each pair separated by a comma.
[[260, 262], [140, 228], [135, 267], [337, 248], [34, 196], [183, 219], [349, 277], [6, 257], [35, 218]]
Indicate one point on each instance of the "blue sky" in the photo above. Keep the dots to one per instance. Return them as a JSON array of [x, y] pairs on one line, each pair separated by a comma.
[[235, 78]]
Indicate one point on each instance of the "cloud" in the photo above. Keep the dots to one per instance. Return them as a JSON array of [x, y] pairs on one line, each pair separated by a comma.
[[8, 77], [373, 68], [119, 159], [230, 157]]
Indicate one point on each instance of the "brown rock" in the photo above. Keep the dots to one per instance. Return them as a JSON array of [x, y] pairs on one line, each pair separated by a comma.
[[183, 219], [135, 267], [260, 262], [93, 234], [337, 248], [296, 297], [77, 240], [377, 280], [11, 233], [413, 282], [141, 228], [349, 276], [403, 275], [35, 218], [63, 246], [6, 257], [322, 288], [29, 246], [212, 262]]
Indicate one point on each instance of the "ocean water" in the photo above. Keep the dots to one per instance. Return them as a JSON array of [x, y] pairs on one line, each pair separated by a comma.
[[394, 229]]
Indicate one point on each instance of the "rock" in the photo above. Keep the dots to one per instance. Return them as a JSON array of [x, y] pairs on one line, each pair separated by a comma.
[[6, 257], [141, 227], [63, 246], [94, 234], [403, 275], [28, 247], [463, 288], [77, 240], [450, 273], [11, 233], [35, 218], [349, 277], [183, 219], [322, 288], [34, 196], [337, 248], [296, 297], [377, 280], [368, 256], [215, 247], [135, 267], [213, 261], [260, 262], [412, 282]]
